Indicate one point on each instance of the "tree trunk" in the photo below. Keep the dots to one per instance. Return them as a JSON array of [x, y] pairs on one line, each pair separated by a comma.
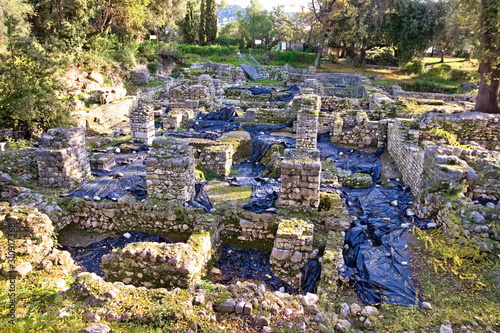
[[362, 56], [488, 96], [432, 52], [317, 61], [442, 56]]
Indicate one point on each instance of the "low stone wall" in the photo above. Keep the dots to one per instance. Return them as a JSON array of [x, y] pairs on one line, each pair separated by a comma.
[[368, 134], [277, 116], [217, 159], [442, 97], [193, 92], [170, 170], [161, 265], [19, 163], [63, 159], [109, 114], [486, 163], [293, 246], [102, 161], [300, 179], [345, 92], [332, 103], [482, 128]]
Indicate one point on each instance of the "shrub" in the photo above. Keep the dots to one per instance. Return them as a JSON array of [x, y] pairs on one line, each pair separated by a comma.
[[413, 67], [148, 50], [212, 50], [293, 57], [442, 71], [464, 76], [333, 58], [153, 67]]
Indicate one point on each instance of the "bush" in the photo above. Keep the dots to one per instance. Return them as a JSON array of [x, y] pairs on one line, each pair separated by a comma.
[[148, 50], [442, 72], [413, 67], [381, 57], [212, 50], [333, 58], [464, 76], [293, 57], [153, 67]]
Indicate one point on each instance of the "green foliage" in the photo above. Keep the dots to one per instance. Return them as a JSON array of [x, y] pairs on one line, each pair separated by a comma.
[[148, 50], [212, 50], [449, 254], [189, 27], [29, 88], [207, 31], [153, 83], [442, 71], [294, 57], [153, 67], [413, 67], [464, 76], [449, 137], [13, 144]]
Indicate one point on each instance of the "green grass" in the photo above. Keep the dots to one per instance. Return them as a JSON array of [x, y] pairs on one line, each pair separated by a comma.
[[153, 83]]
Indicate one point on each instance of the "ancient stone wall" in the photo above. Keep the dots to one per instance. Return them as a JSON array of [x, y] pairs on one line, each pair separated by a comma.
[[300, 179], [367, 134], [170, 170], [63, 160], [333, 103], [142, 124], [217, 159], [19, 163], [292, 249], [482, 128], [406, 153]]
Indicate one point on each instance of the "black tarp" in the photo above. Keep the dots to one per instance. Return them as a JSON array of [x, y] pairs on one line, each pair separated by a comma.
[[263, 196], [352, 159], [260, 91], [292, 90], [200, 198], [254, 264], [376, 256], [290, 94], [210, 125], [90, 256], [126, 177]]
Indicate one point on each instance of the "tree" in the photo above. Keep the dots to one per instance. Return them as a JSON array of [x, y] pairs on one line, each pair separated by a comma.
[[13, 21], [283, 28], [256, 23], [189, 27], [29, 87], [412, 26], [163, 14], [488, 97], [211, 21], [202, 30], [327, 13]]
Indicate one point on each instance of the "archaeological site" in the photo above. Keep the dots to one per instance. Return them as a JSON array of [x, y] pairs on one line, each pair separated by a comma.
[[211, 203]]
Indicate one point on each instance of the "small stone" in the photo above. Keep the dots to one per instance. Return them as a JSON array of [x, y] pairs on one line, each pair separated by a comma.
[[239, 307], [199, 299], [227, 306], [301, 326], [431, 225], [309, 299], [370, 311], [23, 269], [445, 329], [262, 288], [410, 212], [394, 203], [127, 235], [261, 321], [248, 309], [93, 317], [355, 308], [266, 329], [97, 328], [344, 310], [216, 271], [477, 217], [367, 324], [426, 305], [64, 258], [343, 325]]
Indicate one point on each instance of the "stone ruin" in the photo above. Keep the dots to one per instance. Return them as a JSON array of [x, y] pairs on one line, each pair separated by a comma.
[[447, 179]]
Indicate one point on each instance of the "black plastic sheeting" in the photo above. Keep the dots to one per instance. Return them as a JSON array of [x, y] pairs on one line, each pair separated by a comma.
[[128, 177], [264, 196], [351, 159], [290, 94], [254, 264], [210, 125], [260, 91], [200, 198], [90, 256]]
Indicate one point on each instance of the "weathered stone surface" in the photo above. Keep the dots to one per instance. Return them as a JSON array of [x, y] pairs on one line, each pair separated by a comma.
[[227, 306], [23, 269]]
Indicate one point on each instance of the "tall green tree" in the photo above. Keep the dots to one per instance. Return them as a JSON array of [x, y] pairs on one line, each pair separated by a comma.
[[189, 27], [283, 28], [256, 23], [13, 21], [29, 86], [207, 32], [412, 26]]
